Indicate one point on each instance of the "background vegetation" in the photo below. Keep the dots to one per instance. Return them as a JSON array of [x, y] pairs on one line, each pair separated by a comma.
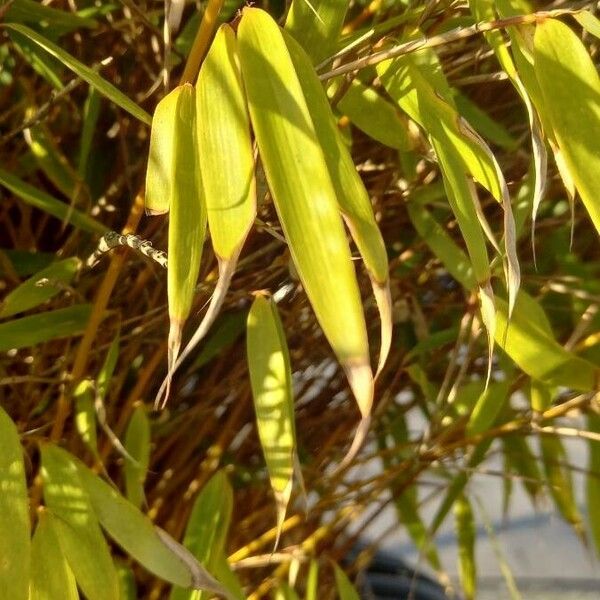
[[453, 127]]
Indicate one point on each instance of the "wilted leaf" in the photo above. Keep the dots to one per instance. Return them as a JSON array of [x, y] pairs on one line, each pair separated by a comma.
[[14, 514]]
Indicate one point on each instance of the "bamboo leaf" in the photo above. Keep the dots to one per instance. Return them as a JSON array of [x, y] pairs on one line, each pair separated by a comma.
[[522, 460], [488, 407], [305, 199], [83, 71], [353, 199], [137, 445], [51, 576], [76, 526], [570, 87], [271, 380], [15, 546], [35, 197], [41, 287], [375, 116], [127, 586], [135, 533], [85, 415], [50, 325], [316, 25], [285, 592], [177, 164], [312, 580], [593, 481], [559, 481], [108, 367], [465, 533], [29, 11], [345, 589], [227, 166], [206, 532]]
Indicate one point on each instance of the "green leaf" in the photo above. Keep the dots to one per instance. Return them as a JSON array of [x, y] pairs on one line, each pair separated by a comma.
[[299, 180], [83, 71], [559, 481], [316, 25], [312, 580], [14, 514], [91, 112], [29, 11], [85, 414], [271, 379], [51, 325], [285, 592], [137, 444], [375, 116], [570, 87], [206, 531], [41, 287], [135, 533], [593, 481], [488, 407], [465, 533], [35, 197], [108, 367], [127, 586], [520, 458], [51, 576], [345, 589], [76, 526]]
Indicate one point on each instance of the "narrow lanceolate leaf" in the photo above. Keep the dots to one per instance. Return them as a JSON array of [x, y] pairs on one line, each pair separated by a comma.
[[487, 408], [51, 576], [305, 198], [39, 199], [83, 71], [44, 285], [521, 459], [14, 514], [560, 482], [345, 589], [285, 592], [352, 196], [271, 381], [85, 414], [187, 217], [593, 481], [376, 116], [465, 533], [135, 533], [206, 532], [76, 526], [50, 325], [316, 25], [227, 166], [312, 580], [137, 445], [570, 87]]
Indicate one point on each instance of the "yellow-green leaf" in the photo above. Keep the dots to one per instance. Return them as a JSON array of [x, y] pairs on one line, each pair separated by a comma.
[[285, 592], [304, 197], [85, 414], [465, 533], [487, 408], [45, 284], [570, 88], [14, 514], [312, 580], [351, 193], [345, 589], [51, 576], [137, 444], [76, 526], [227, 165], [593, 481], [271, 380]]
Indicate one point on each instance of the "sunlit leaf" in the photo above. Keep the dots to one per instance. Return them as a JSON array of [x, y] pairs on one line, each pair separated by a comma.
[[51, 576], [14, 514], [85, 414], [76, 526], [271, 379], [465, 533], [345, 589]]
